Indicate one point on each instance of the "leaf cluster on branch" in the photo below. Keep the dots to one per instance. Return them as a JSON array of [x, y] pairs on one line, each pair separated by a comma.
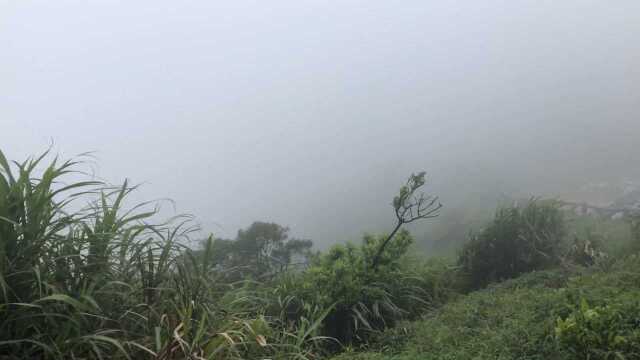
[[409, 207]]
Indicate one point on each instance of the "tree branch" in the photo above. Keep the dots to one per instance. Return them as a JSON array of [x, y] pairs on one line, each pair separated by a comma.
[[417, 207]]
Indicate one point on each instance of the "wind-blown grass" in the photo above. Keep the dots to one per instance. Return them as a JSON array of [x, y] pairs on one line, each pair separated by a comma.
[[104, 281]]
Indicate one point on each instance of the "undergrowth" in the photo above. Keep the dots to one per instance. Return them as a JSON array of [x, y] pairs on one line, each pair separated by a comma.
[[85, 274], [590, 313]]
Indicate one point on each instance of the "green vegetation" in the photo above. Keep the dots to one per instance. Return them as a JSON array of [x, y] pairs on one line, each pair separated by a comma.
[[542, 315], [518, 240], [364, 301], [505, 321], [103, 281], [261, 251], [615, 237], [84, 274]]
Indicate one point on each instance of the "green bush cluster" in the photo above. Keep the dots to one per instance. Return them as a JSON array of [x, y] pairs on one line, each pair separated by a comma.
[[518, 240], [511, 320], [610, 331], [611, 236], [104, 281], [363, 300], [553, 314], [601, 319]]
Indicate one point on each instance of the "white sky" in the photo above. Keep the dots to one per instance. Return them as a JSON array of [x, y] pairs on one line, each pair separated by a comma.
[[311, 113]]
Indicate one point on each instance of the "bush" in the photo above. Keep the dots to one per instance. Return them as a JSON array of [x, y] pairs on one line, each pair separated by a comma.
[[511, 320], [609, 331], [518, 240], [537, 316], [611, 236], [586, 252], [363, 300], [601, 317]]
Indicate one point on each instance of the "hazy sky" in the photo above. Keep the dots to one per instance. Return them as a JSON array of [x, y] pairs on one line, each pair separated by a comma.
[[311, 113]]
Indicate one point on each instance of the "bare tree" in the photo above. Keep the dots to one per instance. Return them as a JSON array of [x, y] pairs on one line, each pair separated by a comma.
[[410, 207]]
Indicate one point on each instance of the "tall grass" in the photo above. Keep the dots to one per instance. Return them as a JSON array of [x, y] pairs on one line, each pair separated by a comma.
[[100, 280]]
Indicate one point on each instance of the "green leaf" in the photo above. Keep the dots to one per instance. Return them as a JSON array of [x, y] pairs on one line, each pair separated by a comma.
[[65, 299]]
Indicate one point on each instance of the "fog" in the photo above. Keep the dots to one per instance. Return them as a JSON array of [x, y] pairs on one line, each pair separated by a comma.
[[312, 113]]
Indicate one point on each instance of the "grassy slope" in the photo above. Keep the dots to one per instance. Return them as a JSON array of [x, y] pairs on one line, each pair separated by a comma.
[[512, 320]]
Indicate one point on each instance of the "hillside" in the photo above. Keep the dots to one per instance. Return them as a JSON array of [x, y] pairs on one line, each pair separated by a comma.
[[518, 319], [109, 282]]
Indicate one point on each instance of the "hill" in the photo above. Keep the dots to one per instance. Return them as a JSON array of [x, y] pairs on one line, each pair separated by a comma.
[[542, 315]]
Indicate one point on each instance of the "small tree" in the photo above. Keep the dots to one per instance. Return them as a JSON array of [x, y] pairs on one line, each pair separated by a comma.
[[360, 301], [260, 250], [409, 207], [257, 244]]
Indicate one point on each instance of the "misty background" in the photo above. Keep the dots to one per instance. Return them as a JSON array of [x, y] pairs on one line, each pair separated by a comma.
[[313, 113]]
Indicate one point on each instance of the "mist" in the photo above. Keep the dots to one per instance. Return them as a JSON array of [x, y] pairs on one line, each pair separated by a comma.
[[312, 114]]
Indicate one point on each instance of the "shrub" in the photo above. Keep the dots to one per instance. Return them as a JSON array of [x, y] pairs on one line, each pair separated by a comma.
[[610, 331], [537, 316], [519, 239], [612, 236], [363, 300], [586, 251], [511, 320]]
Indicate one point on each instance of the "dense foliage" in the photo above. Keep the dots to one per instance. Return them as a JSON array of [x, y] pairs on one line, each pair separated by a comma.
[[519, 239], [102, 281], [260, 252], [511, 320], [541, 315], [84, 274], [97, 278], [363, 300], [610, 331]]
